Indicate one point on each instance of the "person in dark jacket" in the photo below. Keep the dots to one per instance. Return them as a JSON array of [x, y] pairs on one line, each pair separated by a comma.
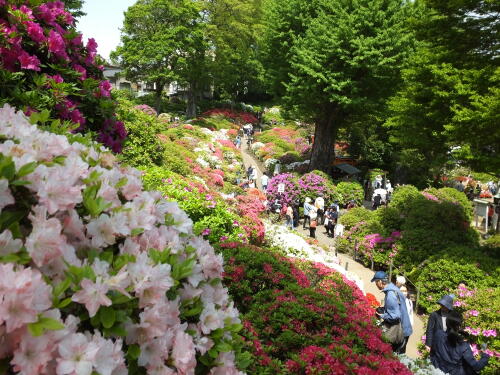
[[452, 354], [437, 321]]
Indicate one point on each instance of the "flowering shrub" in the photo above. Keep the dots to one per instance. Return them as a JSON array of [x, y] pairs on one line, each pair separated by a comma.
[[291, 193], [284, 143], [313, 185], [46, 69], [378, 248], [250, 207], [98, 275], [211, 216], [238, 117], [303, 318], [442, 274], [146, 109], [480, 309]]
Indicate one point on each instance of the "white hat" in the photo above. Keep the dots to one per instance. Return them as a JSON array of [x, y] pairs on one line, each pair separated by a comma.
[[401, 280], [308, 200]]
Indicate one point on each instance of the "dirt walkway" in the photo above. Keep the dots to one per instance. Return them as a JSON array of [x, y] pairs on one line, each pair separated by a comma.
[[364, 273]]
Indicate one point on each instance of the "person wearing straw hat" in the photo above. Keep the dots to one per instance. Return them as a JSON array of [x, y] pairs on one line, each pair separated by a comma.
[[437, 321]]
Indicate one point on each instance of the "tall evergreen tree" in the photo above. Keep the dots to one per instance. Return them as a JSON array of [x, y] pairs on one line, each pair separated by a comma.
[[448, 110], [335, 59]]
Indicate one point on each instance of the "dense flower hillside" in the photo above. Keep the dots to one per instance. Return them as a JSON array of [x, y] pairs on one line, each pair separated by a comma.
[[98, 275], [45, 67]]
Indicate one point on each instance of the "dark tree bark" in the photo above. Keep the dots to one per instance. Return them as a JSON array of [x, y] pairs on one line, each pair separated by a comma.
[[323, 151], [158, 92], [191, 102]]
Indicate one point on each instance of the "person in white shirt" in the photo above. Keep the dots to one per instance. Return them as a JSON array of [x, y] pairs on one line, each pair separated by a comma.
[[319, 203], [264, 180], [409, 303]]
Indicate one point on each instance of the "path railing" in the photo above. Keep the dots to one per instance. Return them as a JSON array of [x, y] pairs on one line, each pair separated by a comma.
[[391, 270]]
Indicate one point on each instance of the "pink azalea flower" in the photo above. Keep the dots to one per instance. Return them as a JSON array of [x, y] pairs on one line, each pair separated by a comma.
[[6, 197], [57, 45], [183, 353], [104, 89], [35, 32], [8, 245], [92, 295], [77, 355], [33, 354]]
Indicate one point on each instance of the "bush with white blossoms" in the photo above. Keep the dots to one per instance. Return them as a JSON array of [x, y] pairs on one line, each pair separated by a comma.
[[256, 146], [419, 366], [98, 276], [270, 163], [293, 245]]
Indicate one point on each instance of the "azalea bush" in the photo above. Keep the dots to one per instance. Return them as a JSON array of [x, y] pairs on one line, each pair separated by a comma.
[[46, 68], [350, 191], [440, 275], [287, 144], [315, 184], [142, 146], [97, 275], [480, 310], [236, 116], [302, 318], [291, 193], [212, 217]]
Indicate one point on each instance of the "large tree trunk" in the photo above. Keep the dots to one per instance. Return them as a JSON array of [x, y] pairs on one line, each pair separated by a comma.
[[191, 102], [158, 92], [323, 151]]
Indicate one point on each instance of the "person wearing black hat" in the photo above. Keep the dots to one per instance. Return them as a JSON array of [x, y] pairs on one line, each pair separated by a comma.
[[452, 353], [394, 310], [437, 321]]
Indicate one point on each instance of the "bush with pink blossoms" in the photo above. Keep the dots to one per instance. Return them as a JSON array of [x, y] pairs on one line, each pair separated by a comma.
[[291, 193], [146, 109], [480, 308], [45, 65], [97, 275]]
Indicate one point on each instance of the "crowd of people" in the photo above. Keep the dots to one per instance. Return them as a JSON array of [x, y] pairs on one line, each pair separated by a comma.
[[445, 337]]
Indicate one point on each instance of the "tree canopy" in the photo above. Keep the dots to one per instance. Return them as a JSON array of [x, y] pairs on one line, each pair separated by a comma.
[[448, 108], [335, 59]]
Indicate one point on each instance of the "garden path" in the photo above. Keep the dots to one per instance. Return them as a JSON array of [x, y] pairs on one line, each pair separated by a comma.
[[364, 273]]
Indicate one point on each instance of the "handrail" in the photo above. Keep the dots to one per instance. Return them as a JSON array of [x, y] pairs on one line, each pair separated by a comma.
[[391, 268]]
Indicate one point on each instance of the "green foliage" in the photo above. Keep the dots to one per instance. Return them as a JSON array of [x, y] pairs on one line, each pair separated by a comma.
[[328, 74], [355, 216], [450, 97], [485, 301], [174, 159], [142, 146], [403, 197], [206, 211], [443, 272], [348, 191]]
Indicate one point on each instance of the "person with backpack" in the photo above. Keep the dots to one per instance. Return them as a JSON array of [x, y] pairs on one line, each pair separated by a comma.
[[395, 319], [313, 223], [452, 353]]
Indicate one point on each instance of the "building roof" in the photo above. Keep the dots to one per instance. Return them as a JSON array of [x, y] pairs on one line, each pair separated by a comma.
[[349, 169]]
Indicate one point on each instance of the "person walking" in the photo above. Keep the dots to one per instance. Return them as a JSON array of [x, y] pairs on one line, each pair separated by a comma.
[[264, 180], [307, 209], [437, 321], [237, 142], [409, 303], [452, 353], [394, 310], [312, 228], [289, 217], [253, 175], [249, 171], [319, 203], [331, 216]]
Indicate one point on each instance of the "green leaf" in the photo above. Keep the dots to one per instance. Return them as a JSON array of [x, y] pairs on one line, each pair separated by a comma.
[[27, 169], [137, 231], [65, 302], [134, 351], [43, 324], [7, 218], [107, 316], [20, 183]]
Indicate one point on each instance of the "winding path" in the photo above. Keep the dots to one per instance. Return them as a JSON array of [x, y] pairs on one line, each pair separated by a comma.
[[364, 273]]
